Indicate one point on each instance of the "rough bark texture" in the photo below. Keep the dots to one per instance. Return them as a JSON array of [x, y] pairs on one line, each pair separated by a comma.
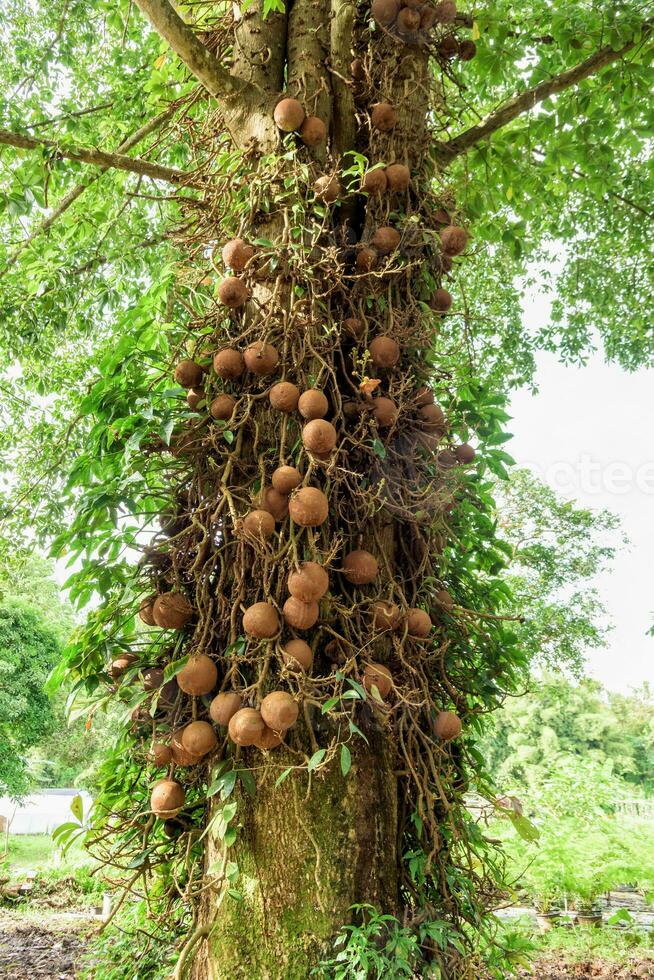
[[306, 853]]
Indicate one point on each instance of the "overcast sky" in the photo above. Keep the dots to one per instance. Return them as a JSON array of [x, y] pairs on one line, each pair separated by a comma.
[[588, 433]]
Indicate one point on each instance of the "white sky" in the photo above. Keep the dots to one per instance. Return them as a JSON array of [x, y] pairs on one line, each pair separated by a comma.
[[588, 433]]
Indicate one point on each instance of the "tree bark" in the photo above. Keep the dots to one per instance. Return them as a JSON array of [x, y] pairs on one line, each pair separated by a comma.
[[306, 851]]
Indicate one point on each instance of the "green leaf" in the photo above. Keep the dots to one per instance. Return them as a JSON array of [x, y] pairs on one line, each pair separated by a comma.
[[77, 808], [280, 779], [316, 759], [346, 760], [524, 827]]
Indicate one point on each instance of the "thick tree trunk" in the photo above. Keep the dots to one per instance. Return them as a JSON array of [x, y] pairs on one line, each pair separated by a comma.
[[306, 851]]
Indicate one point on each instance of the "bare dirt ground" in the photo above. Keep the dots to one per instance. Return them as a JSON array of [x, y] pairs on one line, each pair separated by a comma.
[[42, 947], [556, 968]]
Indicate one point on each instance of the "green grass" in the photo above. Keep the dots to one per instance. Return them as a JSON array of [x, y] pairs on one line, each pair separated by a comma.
[[38, 851], [609, 945]]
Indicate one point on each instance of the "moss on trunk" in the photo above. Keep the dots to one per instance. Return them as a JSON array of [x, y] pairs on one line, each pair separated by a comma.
[[306, 852]]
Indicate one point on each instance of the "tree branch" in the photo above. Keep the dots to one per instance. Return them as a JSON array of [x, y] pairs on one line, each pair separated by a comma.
[[76, 192], [99, 158], [247, 108], [526, 101]]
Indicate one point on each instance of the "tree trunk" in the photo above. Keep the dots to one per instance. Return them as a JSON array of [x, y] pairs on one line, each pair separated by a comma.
[[306, 852]]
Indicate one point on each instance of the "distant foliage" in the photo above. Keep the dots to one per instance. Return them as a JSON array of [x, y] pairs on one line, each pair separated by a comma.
[[580, 728], [28, 650]]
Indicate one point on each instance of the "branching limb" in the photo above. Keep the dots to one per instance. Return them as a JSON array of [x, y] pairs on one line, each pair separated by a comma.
[[76, 192], [247, 109], [99, 158], [526, 101]]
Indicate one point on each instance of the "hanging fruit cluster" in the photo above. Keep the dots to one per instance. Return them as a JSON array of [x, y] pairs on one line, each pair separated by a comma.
[[298, 578]]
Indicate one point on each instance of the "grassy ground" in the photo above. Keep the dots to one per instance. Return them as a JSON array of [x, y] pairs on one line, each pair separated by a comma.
[[61, 880], [609, 945], [29, 850]]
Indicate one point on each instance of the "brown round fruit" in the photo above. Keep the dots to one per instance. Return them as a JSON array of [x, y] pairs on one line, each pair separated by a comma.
[[222, 407], [446, 459], [188, 374], [454, 239], [153, 678], [374, 181], [297, 655], [384, 352], [398, 177], [448, 47], [198, 676], [467, 50], [168, 692], [446, 12], [378, 676], [386, 239], [228, 364], [118, 666], [319, 436], [145, 610], [354, 326], [357, 71], [160, 755], [427, 17], [261, 621], [232, 292], [309, 582], [224, 706], [384, 12], [423, 397], [284, 396], [360, 567], [444, 599], [199, 738], [171, 611], [465, 454], [309, 507], [274, 502], [385, 412], [300, 615], [441, 300], [447, 725], [433, 418], [312, 404], [237, 254], [418, 623], [313, 132], [246, 726], [268, 740], [288, 115], [408, 20], [285, 479], [261, 358], [167, 798], [259, 524], [367, 259], [383, 117], [181, 756], [328, 189], [193, 398], [386, 616], [279, 711]]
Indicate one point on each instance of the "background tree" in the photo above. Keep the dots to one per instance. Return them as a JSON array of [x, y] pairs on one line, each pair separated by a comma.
[[556, 550], [29, 648], [116, 318], [559, 724]]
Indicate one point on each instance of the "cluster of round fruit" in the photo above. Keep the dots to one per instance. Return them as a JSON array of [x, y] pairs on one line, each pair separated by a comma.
[[411, 21], [290, 117]]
